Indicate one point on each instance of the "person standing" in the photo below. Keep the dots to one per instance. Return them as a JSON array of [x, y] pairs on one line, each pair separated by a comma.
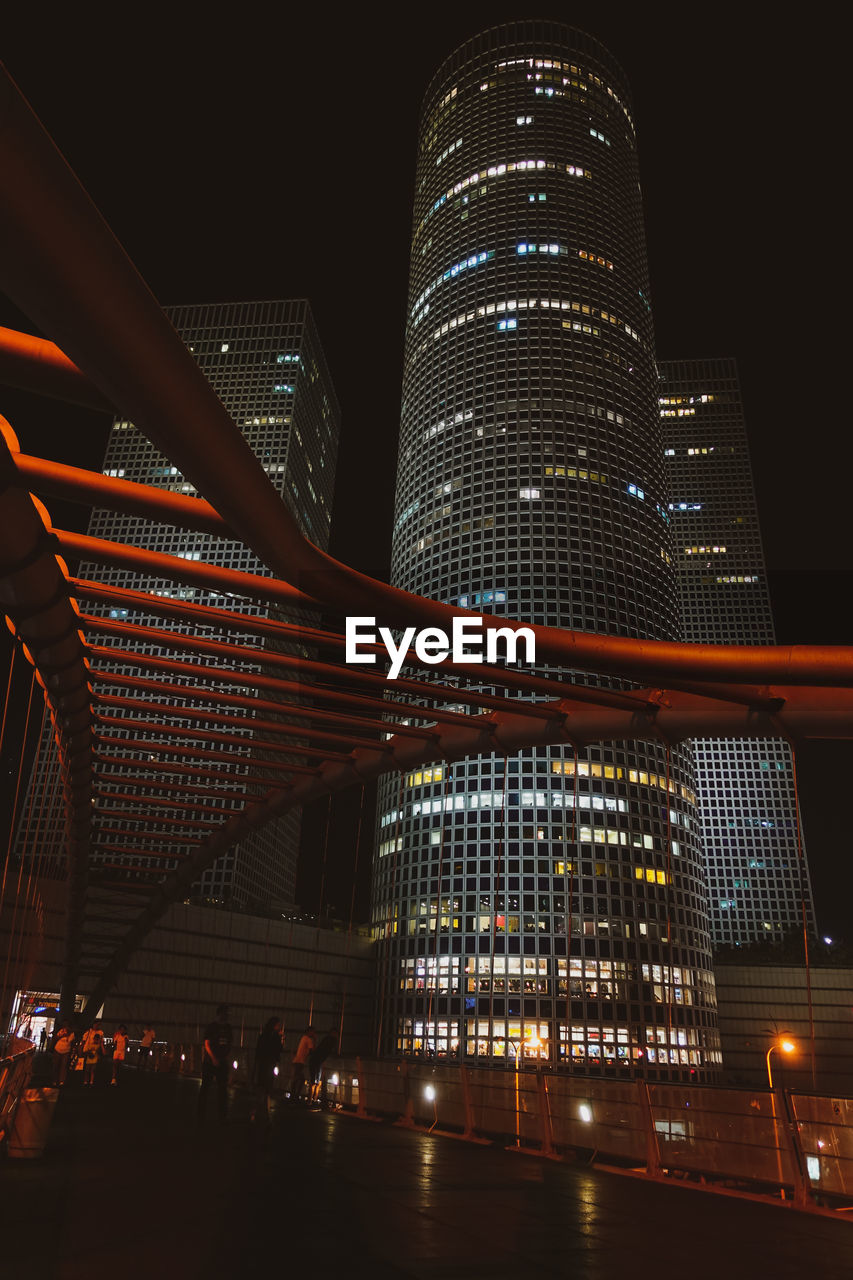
[[300, 1062], [216, 1063], [119, 1051], [92, 1048], [267, 1058], [146, 1047], [62, 1046]]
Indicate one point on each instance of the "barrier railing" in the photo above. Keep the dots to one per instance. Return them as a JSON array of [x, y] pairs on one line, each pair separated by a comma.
[[15, 1071], [793, 1144], [798, 1146]]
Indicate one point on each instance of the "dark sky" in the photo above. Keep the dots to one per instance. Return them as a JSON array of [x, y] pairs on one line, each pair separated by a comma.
[[273, 157]]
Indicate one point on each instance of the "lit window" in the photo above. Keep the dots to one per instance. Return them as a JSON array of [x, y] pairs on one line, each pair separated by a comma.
[[448, 151], [525, 247]]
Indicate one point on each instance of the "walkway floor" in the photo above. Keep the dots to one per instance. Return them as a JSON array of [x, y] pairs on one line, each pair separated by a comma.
[[130, 1186]]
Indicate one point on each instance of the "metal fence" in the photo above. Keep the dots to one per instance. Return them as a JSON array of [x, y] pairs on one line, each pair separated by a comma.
[[15, 1071], [793, 1144]]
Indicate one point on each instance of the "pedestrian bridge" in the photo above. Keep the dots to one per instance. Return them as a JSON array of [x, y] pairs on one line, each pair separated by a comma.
[[129, 1183]]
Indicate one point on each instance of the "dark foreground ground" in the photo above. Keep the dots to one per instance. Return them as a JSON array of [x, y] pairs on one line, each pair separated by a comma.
[[130, 1187]]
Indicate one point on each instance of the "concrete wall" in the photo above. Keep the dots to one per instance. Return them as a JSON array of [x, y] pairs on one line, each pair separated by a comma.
[[199, 957], [756, 1001]]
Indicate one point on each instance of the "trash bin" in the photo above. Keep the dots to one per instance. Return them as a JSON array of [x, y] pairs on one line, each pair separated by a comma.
[[32, 1123]]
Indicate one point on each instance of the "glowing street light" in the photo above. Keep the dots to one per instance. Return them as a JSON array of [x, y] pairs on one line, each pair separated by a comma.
[[784, 1045]]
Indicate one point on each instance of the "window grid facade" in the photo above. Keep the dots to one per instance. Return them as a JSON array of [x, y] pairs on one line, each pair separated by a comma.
[[264, 361], [756, 879], [542, 895]]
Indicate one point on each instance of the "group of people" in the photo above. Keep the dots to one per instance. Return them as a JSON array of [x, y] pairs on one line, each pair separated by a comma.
[[91, 1048], [306, 1068], [306, 1080]]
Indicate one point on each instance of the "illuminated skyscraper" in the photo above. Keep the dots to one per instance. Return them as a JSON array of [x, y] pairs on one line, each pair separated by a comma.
[[757, 878], [548, 895], [265, 363]]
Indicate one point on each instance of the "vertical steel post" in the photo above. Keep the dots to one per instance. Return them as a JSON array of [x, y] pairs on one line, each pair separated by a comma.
[[653, 1166]]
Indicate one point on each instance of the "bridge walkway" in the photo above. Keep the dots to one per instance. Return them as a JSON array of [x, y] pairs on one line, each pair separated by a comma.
[[130, 1186]]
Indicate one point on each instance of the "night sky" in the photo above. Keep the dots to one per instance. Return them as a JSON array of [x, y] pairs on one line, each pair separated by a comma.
[[274, 157]]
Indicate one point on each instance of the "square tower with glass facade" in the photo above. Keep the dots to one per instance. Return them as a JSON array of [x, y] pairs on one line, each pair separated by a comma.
[[758, 877], [264, 361]]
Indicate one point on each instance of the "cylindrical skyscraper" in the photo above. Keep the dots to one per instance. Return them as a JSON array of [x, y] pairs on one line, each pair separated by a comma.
[[550, 906]]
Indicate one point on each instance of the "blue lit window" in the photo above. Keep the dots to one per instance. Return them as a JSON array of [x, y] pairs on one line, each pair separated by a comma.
[[474, 260], [287, 359], [494, 595], [636, 491], [507, 324], [283, 386], [526, 247]]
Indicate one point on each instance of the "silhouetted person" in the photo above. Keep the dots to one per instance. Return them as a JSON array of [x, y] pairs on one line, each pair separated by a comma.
[[92, 1048], [300, 1062], [267, 1058], [119, 1051], [216, 1063], [146, 1047], [62, 1047]]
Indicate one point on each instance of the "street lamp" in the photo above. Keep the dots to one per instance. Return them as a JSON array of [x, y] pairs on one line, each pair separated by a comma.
[[785, 1046], [530, 1040]]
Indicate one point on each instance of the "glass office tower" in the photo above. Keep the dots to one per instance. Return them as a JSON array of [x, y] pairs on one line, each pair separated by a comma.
[[550, 905], [758, 877], [264, 361]]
